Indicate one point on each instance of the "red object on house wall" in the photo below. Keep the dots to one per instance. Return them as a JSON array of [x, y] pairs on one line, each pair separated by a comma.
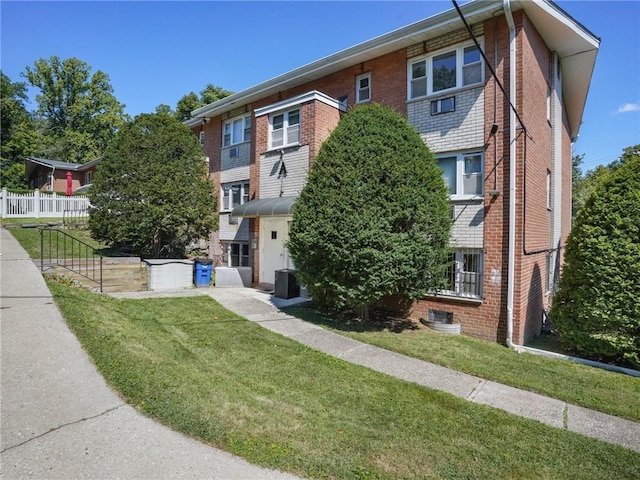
[[69, 184]]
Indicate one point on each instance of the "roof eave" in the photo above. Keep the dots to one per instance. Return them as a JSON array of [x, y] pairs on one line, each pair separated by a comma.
[[577, 49], [381, 45]]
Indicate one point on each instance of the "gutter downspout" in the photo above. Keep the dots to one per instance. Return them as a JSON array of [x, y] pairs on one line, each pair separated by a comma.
[[512, 217], [512, 174]]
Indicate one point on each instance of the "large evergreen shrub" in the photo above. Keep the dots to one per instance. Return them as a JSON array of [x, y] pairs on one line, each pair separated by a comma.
[[597, 307], [151, 190], [374, 218]]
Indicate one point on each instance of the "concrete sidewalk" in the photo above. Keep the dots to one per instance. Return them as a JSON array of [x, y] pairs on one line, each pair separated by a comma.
[[58, 417]]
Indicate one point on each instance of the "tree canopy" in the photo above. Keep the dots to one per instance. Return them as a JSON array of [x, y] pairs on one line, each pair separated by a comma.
[[18, 138], [374, 218], [596, 309], [151, 191], [77, 111], [191, 101]]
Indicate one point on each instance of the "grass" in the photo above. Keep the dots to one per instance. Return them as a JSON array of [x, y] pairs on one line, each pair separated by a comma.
[[29, 238], [608, 392], [202, 370]]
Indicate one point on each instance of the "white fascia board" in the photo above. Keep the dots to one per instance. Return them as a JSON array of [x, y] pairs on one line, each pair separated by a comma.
[[386, 43], [300, 99], [558, 15], [577, 50]]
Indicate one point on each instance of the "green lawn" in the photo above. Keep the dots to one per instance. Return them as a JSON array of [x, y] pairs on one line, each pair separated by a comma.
[[203, 370], [29, 238], [601, 390]]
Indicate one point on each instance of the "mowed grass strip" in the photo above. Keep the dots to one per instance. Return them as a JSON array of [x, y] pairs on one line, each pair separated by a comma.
[[613, 393], [29, 239], [204, 371]]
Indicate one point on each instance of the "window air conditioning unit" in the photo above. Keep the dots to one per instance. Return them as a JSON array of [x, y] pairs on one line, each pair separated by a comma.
[[443, 105], [233, 152]]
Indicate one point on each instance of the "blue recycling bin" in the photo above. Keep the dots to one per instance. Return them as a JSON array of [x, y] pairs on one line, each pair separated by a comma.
[[202, 272]]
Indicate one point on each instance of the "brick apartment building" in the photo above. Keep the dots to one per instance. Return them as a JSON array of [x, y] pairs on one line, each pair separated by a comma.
[[508, 169]]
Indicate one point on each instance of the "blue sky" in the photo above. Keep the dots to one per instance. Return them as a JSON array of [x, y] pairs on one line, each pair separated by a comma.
[[156, 52]]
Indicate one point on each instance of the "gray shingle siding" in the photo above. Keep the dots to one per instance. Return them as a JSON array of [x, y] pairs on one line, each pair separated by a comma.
[[468, 226], [239, 232], [461, 129], [296, 161]]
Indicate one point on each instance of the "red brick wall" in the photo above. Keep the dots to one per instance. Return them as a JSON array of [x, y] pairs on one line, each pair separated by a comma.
[[486, 319], [325, 119], [535, 159], [212, 142]]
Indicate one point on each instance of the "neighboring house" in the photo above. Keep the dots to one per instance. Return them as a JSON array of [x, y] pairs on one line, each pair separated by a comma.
[[51, 175], [508, 170]]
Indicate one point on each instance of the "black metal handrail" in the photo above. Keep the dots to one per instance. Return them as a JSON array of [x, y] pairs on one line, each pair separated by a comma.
[[70, 253]]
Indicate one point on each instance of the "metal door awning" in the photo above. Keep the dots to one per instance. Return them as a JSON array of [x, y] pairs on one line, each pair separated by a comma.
[[266, 207]]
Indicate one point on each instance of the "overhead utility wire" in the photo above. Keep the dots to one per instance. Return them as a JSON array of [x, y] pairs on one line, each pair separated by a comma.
[[475, 40]]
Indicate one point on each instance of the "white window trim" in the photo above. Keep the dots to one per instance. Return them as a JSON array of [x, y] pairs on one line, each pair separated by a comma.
[[460, 174], [459, 49], [358, 89], [285, 128], [246, 123], [549, 190], [459, 273], [244, 191]]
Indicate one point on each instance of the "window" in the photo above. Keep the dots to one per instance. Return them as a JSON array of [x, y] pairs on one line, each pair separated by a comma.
[[235, 254], [285, 128], [238, 255], [548, 104], [343, 102], [453, 68], [234, 194], [418, 79], [363, 88], [462, 174], [471, 66], [464, 274], [236, 131], [549, 200], [551, 281], [88, 177], [444, 71]]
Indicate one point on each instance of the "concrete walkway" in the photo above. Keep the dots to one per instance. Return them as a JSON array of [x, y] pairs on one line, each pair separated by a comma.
[[58, 417], [263, 308]]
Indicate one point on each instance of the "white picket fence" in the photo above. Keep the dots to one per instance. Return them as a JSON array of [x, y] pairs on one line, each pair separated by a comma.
[[42, 205]]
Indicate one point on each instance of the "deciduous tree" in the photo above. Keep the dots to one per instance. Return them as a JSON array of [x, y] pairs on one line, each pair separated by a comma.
[[189, 102], [79, 112], [18, 138]]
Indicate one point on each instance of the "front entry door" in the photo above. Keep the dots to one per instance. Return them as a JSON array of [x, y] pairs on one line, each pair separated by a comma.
[[274, 233]]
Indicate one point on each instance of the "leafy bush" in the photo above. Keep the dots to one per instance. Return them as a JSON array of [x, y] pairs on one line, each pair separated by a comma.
[[374, 218], [152, 190], [597, 307]]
